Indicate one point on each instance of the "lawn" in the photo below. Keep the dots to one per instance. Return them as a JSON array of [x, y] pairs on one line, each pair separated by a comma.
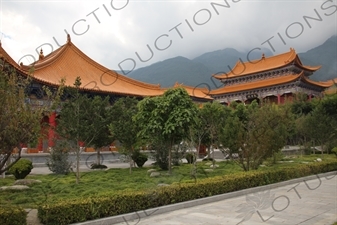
[[115, 181]]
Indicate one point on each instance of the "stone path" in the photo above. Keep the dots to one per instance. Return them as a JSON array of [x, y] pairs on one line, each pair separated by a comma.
[[32, 217], [311, 202]]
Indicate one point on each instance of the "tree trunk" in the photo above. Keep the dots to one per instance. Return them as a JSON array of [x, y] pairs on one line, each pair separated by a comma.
[[196, 156], [213, 160], [78, 167], [169, 160], [98, 161], [131, 160], [208, 152], [78, 156], [4, 173]]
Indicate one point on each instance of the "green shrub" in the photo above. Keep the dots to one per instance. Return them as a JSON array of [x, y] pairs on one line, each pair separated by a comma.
[[190, 157], [58, 160], [334, 151], [13, 216], [21, 168], [72, 211], [139, 158], [161, 155], [207, 159], [98, 166]]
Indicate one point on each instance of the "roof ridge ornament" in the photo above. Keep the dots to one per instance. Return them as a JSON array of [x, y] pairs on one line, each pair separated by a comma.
[[68, 38], [41, 56], [263, 56]]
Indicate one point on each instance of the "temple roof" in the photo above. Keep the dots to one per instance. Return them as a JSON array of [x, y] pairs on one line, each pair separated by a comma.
[[266, 64], [4, 55], [196, 92], [68, 62], [333, 87], [267, 83]]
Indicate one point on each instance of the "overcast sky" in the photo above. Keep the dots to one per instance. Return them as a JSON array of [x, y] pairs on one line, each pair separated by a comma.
[[112, 32]]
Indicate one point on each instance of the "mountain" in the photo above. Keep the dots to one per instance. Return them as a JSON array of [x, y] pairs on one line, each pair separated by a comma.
[[178, 69], [224, 60], [324, 55], [198, 71]]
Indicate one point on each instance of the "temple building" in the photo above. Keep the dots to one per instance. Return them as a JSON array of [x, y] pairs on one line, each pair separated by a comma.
[[69, 62], [272, 79]]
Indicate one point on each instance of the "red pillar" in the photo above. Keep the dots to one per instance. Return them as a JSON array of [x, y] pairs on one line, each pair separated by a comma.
[[278, 99], [309, 97], [51, 132], [81, 143], [40, 144]]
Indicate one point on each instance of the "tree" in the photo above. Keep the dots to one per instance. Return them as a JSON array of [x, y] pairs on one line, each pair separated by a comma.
[[83, 120], [19, 121], [214, 114], [301, 105], [319, 126], [58, 161], [122, 126], [167, 118], [198, 135], [256, 133], [98, 120]]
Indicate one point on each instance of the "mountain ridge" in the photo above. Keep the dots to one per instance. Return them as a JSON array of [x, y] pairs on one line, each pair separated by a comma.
[[199, 70]]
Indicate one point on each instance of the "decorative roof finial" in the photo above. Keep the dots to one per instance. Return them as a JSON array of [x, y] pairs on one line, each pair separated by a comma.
[[41, 56], [0, 43], [263, 57], [68, 38]]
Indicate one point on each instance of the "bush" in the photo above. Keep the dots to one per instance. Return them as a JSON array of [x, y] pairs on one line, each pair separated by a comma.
[[207, 159], [178, 152], [98, 166], [334, 151], [190, 157], [58, 161], [139, 158], [21, 168], [13, 216], [161, 155], [79, 210]]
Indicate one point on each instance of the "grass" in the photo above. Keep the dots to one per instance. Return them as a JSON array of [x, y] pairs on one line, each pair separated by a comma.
[[115, 181]]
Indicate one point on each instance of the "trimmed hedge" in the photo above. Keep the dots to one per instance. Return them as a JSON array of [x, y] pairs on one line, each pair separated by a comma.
[[79, 210], [21, 168], [13, 216]]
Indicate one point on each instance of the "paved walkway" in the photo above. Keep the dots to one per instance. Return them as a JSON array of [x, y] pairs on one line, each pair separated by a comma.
[[85, 168], [304, 201]]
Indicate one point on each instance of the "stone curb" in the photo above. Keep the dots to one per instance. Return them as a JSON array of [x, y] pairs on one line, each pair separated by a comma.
[[136, 216]]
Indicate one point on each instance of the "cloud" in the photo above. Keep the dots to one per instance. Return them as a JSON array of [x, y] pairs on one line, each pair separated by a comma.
[[112, 31]]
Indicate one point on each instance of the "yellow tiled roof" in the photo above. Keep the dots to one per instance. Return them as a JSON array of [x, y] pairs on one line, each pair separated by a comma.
[[69, 62], [195, 91], [265, 64], [267, 83]]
